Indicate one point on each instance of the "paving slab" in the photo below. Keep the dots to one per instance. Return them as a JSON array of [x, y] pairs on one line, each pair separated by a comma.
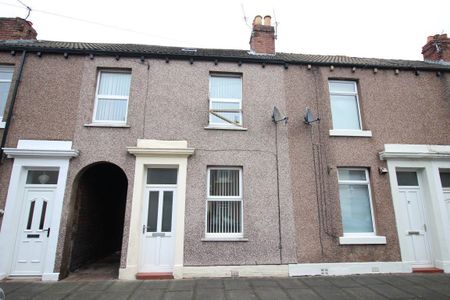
[[155, 284], [270, 293], [31, 290], [424, 292], [210, 283], [240, 294], [291, 283], [216, 294], [263, 282], [178, 295], [367, 279], [303, 294], [390, 291], [363, 293], [343, 282], [332, 292], [236, 284], [182, 285], [146, 294]]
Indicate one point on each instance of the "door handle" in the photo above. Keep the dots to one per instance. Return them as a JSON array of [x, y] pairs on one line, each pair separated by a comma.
[[413, 232], [143, 229], [48, 231]]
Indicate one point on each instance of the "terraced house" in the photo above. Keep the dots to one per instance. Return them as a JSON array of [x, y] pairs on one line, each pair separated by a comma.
[[181, 162]]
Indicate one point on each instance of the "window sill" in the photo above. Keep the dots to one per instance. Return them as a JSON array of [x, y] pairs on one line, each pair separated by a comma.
[[2, 124], [362, 240], [224, 240], [114, 125], [350, 132], [213, 127]]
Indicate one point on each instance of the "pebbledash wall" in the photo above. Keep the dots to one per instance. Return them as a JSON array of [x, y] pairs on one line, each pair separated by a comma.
[[169, 101]]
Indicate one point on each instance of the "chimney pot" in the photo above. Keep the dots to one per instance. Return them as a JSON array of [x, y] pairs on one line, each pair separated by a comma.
[[257, 20], [267, 20]]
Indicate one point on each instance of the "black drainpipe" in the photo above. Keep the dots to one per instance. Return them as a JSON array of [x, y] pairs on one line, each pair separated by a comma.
[[11, 106]]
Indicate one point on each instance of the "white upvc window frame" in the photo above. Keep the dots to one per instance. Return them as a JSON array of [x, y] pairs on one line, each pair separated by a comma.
[[211, 124], [359, 182], [97, 96], [9, 68], [342, 131], [224, 236]]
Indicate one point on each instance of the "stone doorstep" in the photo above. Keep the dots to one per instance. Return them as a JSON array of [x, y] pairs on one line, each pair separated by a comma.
[[154, 276], [427, 270]]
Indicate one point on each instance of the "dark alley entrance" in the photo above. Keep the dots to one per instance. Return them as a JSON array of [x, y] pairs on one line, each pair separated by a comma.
[[98, 221]]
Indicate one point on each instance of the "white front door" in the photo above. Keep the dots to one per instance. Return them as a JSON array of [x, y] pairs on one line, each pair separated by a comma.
[[415, 227], [33, 231], [158, 230]]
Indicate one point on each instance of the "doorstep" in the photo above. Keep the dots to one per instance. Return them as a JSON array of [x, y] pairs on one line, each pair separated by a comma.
[[427, 270], [153, 276]]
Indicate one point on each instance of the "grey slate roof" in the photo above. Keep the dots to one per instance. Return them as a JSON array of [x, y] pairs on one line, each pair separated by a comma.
[[136, 50]]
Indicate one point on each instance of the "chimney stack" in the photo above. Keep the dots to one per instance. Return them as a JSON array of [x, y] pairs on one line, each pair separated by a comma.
[[262, 40], [16, 29], [437, 48]]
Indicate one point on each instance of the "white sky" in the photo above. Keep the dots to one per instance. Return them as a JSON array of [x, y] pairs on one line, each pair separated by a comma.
[[377, 28]]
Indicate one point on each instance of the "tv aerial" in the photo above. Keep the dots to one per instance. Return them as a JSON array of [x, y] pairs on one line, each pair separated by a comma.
[[277, 116], [309, 117]]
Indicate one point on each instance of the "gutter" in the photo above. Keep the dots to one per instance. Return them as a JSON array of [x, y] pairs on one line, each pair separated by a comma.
[[11, 105], [256, 59]]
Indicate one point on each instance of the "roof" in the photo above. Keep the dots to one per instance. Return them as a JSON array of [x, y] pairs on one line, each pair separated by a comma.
[[146, 51]]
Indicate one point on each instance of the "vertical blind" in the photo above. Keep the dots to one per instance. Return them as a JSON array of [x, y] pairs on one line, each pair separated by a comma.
[[225, 87], [224, 183], [224, 215], [112, 96]]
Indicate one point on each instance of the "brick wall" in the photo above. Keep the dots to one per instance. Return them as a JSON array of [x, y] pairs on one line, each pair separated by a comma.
[[16, 29], [437, 48]]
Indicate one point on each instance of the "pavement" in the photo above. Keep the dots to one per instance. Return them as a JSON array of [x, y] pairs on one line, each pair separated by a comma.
[[405, 286]]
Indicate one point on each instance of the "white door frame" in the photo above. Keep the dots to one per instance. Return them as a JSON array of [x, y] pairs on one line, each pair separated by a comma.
[[161, 189], [156, 153], [34, 154], [428, 159]]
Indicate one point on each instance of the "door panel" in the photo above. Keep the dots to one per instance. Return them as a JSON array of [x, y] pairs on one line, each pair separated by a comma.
[[33, 232], [158, 235]]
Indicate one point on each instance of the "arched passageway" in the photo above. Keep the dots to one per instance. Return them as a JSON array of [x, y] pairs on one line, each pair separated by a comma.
[[100, 195]]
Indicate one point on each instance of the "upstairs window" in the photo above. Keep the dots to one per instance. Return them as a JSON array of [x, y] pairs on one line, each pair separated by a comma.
[[225, 100], [344, 105], [111, 99], [224, 203], [6, 74], [356, 202]]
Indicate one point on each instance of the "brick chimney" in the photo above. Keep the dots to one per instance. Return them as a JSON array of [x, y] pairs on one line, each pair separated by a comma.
[[16, 29], [262, 40], [437, 48]]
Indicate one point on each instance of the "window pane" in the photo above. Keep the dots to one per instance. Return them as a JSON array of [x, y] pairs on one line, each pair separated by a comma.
[[166, 225], [407, 179], [6, 73], [162, 176], [224, 105], [346, 174], [224, 183], [345, 112], [42, 177], [355, 208], [4, 90], [117, 84], [225, 87], [233, 117], [342, 87], [152, 216], [30, 215], [224, 217], [111, 110], [445, 179], [44, 210]]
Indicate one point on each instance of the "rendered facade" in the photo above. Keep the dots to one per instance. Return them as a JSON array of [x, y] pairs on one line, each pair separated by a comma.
[[169, 159]]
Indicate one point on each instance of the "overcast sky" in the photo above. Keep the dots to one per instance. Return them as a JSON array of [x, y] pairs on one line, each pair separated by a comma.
[[378, 28]]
